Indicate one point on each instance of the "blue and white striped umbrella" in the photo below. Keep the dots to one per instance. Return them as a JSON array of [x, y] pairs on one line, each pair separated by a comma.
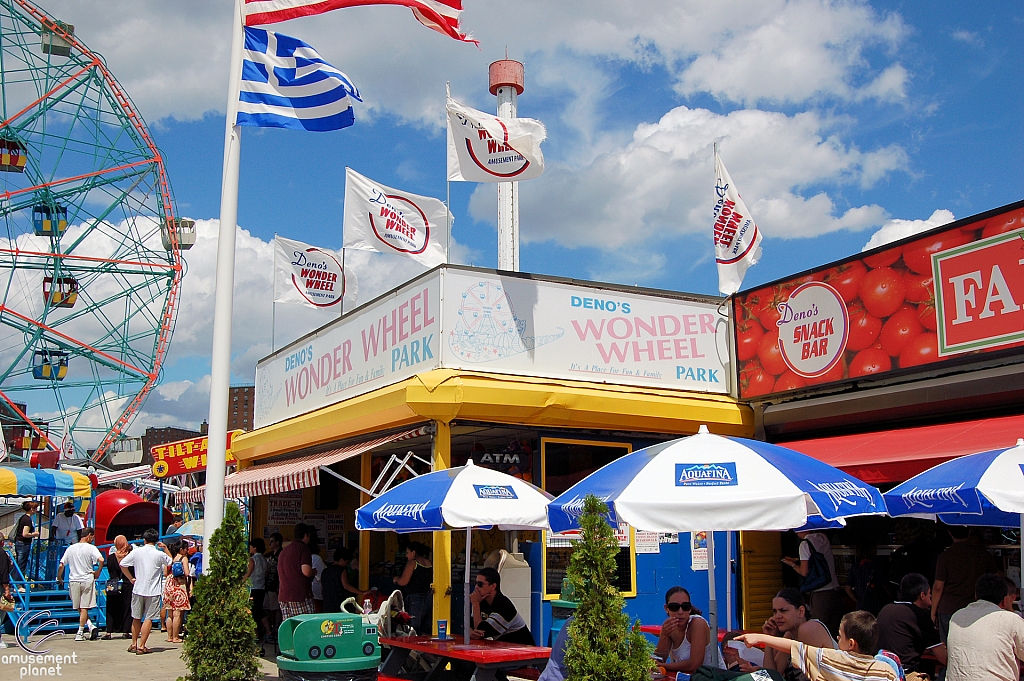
[[710, 482], [467, 496], [979, 489]]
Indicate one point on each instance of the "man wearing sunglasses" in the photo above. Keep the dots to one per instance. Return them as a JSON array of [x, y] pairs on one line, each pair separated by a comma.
[[494, 616]]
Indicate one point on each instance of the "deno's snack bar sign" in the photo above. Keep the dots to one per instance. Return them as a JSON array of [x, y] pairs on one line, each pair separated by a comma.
[[936, 297], [461, 318]]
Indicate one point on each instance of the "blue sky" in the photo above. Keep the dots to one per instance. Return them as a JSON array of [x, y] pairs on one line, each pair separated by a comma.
[[835, 119]]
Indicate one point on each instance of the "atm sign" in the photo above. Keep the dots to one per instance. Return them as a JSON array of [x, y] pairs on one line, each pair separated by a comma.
[[980, 294]]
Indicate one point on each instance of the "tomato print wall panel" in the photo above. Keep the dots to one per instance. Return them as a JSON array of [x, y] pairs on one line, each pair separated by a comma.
[[939, 296]]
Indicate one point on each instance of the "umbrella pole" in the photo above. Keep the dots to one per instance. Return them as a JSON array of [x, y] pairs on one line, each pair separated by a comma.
[[712, 602], [728, 581], [466, 607]]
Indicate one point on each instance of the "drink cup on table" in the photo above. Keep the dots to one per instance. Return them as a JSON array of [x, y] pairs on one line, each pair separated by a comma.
[[442, 629]]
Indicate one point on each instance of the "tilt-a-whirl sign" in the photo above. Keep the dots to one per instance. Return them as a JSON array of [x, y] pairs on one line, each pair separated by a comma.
[[185, 456]]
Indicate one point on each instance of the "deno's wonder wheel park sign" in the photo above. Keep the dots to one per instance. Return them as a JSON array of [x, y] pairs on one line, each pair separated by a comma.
[[936, 297]]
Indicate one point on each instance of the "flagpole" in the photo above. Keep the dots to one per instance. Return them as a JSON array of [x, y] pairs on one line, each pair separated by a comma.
[[220, 366], [273, 305], [448, 182], [344, 282]]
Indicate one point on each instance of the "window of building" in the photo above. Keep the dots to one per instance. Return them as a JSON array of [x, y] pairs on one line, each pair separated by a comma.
[[563, 464]]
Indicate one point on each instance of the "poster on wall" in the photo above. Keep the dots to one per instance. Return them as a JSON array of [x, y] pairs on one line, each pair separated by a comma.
[[647, 542], [318, 521], [698, 550], [533, 327], [380, 344], [284, 509], [936, 297], [622, 535], [335, 523]]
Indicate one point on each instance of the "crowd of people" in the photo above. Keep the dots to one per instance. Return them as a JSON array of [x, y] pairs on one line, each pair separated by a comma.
[[960, 625], [152, 581]]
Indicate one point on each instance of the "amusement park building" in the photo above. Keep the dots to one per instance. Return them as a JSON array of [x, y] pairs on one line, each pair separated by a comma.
[[544, 378], [928, 369]]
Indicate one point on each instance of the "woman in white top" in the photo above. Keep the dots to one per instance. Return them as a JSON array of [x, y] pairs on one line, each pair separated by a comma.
[[685, 640], [792, 619], [257, 575]]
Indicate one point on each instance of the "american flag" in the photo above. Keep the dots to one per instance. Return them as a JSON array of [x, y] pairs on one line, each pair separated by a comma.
[[440, 15]]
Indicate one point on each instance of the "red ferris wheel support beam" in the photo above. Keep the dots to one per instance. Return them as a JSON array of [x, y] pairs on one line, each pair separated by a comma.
[[27, 420]]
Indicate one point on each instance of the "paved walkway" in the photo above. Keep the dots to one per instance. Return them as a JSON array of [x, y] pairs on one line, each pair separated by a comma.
[[104, 661]]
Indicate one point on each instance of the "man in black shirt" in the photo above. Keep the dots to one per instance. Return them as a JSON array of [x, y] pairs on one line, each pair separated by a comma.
[[905, 627], [334, 579], [494, 615]]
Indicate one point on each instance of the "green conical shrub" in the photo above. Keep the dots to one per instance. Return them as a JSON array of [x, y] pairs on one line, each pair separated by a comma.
[[221, 632], [603, 646]]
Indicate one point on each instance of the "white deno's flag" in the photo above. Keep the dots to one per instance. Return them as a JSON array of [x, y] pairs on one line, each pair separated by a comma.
[[387, 220], [310, 276], [486, 148], [737, 239]]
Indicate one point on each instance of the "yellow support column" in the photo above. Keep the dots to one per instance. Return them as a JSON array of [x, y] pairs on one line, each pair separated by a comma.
[[365, 479], [442, 540]]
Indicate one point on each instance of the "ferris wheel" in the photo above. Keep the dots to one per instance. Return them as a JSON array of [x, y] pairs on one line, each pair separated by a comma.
[[90, 248]]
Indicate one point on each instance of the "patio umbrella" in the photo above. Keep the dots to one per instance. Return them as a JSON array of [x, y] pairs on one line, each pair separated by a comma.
[[709, 482], [986, 488], [193, 528], [465, 497]]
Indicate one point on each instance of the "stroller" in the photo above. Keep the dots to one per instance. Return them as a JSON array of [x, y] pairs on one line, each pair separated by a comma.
[[394, 622]]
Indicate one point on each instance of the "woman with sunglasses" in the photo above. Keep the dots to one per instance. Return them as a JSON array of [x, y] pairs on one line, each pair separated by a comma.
[[685, 641], [792, 619]]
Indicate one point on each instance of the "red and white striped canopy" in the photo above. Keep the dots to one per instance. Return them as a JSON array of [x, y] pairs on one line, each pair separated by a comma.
[[125, 474], [293, 474]]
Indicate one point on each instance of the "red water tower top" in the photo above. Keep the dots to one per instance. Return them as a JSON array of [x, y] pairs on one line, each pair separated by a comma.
[[506, 72]]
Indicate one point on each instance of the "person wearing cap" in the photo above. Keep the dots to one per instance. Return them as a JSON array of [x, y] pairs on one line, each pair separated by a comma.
[[66, 526]]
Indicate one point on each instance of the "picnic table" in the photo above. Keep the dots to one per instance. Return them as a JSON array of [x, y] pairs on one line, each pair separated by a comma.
[[488, 656]]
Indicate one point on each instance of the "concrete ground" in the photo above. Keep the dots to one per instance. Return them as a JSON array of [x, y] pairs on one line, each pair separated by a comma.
[[106, 660]]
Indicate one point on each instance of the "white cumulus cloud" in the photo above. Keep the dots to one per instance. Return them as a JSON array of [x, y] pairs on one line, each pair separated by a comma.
[[894, 230], [659, 185]]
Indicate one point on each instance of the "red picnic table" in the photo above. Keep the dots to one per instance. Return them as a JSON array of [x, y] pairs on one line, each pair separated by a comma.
[[488, 656]]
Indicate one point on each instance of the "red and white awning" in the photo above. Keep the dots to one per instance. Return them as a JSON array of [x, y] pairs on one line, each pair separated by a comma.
[[293, 474], [125, 475]]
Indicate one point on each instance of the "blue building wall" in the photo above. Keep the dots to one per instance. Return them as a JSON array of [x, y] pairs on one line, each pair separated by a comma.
[[655, 574]]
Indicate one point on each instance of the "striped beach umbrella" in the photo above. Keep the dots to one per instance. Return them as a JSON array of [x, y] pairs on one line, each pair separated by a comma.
[[33, 482]]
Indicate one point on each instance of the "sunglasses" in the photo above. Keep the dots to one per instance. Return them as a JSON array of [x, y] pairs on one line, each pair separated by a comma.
[[676, 607], [481, 584]]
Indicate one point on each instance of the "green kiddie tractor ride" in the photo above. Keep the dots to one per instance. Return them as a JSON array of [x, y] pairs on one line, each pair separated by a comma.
[[335, 646]]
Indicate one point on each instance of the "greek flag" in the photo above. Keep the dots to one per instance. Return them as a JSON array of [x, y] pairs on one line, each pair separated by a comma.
[[286, 84]]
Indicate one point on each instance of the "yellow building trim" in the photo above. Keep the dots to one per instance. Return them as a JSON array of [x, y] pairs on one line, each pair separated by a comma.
[[442, 551], [446, 394]]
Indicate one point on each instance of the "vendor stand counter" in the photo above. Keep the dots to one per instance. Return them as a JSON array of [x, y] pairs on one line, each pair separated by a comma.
[[488, 656]]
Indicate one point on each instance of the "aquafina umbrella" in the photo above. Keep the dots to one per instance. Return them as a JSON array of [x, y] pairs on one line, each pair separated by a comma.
[[709, 482], [465, 497]]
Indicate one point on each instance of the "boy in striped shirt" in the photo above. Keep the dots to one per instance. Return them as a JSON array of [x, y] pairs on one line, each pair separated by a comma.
[[853, 661]]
